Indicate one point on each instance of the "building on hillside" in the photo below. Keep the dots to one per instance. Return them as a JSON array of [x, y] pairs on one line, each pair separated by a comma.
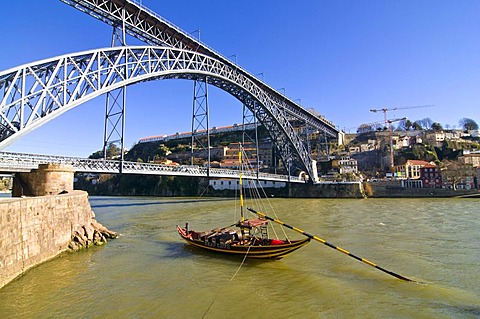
[[410, 170], [231, 159], [215, 152], [264, 159], [345, 165], [185, 135], [370, 146], [453, 135], [417, 139], [231, 184], [354, 149], [266, 154], [431, 176], [474, 133], [402, 141], [364, 147], [470, 159], [435, 138]]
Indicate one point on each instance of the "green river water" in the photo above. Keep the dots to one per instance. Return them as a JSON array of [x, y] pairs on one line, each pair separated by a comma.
[[149, 272]]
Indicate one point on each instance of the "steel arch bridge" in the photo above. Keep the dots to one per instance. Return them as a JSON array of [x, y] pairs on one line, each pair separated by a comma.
[[33, 94]]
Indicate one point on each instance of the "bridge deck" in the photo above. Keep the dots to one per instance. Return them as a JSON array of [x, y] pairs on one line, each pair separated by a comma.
[[19, 162]]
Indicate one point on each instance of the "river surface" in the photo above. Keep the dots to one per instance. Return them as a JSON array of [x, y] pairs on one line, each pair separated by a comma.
[[149, 272]]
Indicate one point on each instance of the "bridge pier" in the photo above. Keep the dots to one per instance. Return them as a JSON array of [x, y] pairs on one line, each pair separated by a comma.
[[48, 179]]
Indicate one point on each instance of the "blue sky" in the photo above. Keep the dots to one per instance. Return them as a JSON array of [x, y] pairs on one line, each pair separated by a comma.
[[341, 58]]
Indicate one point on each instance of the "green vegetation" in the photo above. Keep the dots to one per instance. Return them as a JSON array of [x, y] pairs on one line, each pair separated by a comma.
[[5, 183]]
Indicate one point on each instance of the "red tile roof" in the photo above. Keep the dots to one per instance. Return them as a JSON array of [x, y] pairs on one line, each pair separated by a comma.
[[418, 162]]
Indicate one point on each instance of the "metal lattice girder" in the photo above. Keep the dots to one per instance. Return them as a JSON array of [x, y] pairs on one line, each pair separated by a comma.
[[115, 104], [35, 93], [200, 119], [147, 26], [20, 162]]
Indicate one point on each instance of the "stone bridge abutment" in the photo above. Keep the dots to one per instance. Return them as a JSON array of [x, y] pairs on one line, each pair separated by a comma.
[[48, 219]]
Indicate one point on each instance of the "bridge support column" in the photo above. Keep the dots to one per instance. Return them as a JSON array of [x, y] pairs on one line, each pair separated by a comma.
[[250, 118], [115, 103], [48, 179], [200, 120], [315, 171]]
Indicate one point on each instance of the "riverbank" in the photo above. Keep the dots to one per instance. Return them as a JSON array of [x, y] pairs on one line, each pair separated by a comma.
[[168, 186], [393, 189]]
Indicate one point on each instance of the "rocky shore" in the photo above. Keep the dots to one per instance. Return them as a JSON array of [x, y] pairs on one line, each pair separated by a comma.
[[89, 235]]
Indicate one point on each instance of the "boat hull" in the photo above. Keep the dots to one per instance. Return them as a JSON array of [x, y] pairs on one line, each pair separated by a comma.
[[250, 251]]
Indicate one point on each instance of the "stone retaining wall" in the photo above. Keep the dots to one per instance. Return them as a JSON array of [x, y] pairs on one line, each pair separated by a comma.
[[393, 189], [36, 229], [340, 190]]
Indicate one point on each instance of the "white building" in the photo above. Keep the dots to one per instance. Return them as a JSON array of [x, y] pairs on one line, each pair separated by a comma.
[[232, 184]]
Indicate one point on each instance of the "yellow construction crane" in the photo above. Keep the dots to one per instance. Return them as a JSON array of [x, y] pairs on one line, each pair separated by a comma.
[[385, 110]]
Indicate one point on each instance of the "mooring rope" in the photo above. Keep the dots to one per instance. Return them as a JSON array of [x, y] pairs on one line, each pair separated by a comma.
[[241, 264]]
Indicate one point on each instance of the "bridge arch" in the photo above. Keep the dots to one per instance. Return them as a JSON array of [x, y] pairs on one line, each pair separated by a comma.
[[35, 93]]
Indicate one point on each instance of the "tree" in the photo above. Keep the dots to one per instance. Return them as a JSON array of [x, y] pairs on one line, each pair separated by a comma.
[[405, 125], [416, 126], [468, 124], [424, 152], [454, 172], [426, 123], [96, 155], [408, 125], [437, 126], [364, 128], [112, 150]]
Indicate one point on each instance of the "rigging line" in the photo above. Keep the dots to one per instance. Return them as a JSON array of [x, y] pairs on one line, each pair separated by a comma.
[[243, 261], [238, 269], [206, 188], [274, 213], [257, 193]]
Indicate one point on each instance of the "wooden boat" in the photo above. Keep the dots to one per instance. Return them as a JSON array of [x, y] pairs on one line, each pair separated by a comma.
[[247, 238], [242, 241]]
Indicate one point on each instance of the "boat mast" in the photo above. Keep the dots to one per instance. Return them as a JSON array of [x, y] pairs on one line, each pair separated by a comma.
[[241, 184]]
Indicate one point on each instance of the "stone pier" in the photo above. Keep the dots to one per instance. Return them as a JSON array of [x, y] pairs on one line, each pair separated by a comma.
[[48, 219], [48, 179]]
